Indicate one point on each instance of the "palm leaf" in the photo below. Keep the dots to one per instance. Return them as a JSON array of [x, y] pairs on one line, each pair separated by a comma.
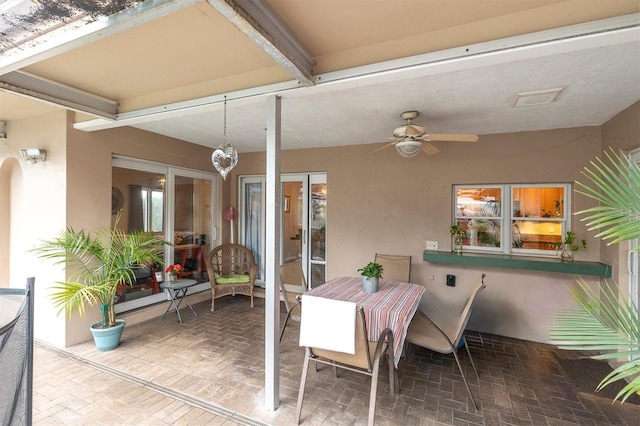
[[606, 323], [617, 186]]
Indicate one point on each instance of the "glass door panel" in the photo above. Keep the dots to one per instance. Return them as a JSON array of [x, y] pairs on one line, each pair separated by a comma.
[[292, 221], [138, 206], [192, 225], [303, 222], [318, 244], [252, 219], [295, 221], [176, 204]]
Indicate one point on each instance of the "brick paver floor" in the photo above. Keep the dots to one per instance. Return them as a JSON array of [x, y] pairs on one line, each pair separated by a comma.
[[209, 371]]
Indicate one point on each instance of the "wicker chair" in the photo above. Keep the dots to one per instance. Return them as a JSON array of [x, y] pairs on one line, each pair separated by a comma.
[[232, 270]]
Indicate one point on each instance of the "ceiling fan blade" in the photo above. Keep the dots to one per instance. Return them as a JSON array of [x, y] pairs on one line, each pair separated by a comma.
[[429, 149], [409, 130], [414, 130], [453, 138], [384, 146]]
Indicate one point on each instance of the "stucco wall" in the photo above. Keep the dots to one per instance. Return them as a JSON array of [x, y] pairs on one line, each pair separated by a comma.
[[71, 188], [377, 202], [36, 209], [89, 180], [381, 202]]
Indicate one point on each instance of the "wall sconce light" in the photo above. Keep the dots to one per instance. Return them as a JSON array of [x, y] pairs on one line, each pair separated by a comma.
[[33, 155]]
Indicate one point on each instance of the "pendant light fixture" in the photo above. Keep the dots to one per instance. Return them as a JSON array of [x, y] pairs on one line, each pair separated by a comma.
[[225, 157]]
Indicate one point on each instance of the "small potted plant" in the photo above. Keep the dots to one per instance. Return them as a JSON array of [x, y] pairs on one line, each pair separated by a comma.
[[458, 233], [567, 246], [371, 274]]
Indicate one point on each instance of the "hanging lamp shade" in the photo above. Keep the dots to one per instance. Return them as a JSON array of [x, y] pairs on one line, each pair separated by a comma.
[[408, 148]]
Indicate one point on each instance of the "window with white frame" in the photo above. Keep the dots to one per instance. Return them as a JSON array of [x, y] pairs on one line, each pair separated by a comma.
[[512, 219], [152, 209]]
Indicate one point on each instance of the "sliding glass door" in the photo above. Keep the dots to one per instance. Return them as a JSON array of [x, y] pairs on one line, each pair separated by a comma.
[[303, 222], [175, 203]]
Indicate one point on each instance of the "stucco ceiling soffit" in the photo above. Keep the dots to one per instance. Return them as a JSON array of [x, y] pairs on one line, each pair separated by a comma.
[[258, 22], [40, 89], [602, 33], [559, 41], [89, 33]]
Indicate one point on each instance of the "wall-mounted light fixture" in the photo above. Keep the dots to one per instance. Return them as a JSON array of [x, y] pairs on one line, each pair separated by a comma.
[[33, 155]]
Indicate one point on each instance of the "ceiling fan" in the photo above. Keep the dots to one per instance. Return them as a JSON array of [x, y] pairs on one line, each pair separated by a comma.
[[411, 138]]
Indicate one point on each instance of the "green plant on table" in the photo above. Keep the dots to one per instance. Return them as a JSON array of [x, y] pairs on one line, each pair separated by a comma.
[[608, 322], [371, 270], [97, 264]]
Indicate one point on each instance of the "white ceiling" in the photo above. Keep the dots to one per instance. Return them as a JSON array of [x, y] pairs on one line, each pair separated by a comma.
[[597, 83]]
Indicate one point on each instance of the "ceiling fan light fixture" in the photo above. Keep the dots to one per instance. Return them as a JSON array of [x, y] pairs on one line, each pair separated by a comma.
[[408, 148]]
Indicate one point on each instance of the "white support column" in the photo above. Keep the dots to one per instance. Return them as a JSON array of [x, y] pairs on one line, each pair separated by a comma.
[[272, 258]]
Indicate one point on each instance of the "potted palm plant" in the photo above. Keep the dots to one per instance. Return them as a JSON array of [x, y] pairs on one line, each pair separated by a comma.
[[371, 274], [608, 323], [96, 265]]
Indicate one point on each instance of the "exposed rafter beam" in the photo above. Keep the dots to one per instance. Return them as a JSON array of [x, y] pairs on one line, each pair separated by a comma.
[[98, 30], [258, 22], [38, 88]]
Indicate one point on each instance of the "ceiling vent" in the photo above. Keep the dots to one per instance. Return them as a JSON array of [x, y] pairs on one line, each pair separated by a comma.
[[537, 97]]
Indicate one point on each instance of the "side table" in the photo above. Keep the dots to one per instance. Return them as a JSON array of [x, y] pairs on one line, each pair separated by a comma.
[[178, 292]]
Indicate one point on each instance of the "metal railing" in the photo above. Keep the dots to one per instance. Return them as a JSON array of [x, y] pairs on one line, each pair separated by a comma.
[[16, 359]]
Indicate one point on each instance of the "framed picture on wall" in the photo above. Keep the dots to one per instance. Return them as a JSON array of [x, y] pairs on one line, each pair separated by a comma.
[[287, 206]]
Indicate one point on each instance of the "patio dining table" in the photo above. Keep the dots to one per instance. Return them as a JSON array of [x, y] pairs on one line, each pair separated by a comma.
[[392, 306]]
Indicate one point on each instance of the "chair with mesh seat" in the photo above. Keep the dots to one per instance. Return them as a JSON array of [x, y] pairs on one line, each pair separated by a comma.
[[445, 334], [292, 276], [334, 332], [394, 267]]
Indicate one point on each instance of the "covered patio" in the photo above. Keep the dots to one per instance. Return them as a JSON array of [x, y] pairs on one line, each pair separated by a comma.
[[210, 370]]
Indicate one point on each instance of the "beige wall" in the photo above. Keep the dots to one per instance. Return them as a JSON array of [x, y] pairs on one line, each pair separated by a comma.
[[71, 188], [377, 202], [37, 208], [89, 178], [381, 202]]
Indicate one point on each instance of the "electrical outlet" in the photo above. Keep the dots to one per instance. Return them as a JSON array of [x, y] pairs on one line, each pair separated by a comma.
[[432, 245], [431, 277]]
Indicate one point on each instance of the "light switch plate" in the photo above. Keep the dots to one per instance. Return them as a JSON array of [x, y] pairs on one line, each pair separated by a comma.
[[432, 245]]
